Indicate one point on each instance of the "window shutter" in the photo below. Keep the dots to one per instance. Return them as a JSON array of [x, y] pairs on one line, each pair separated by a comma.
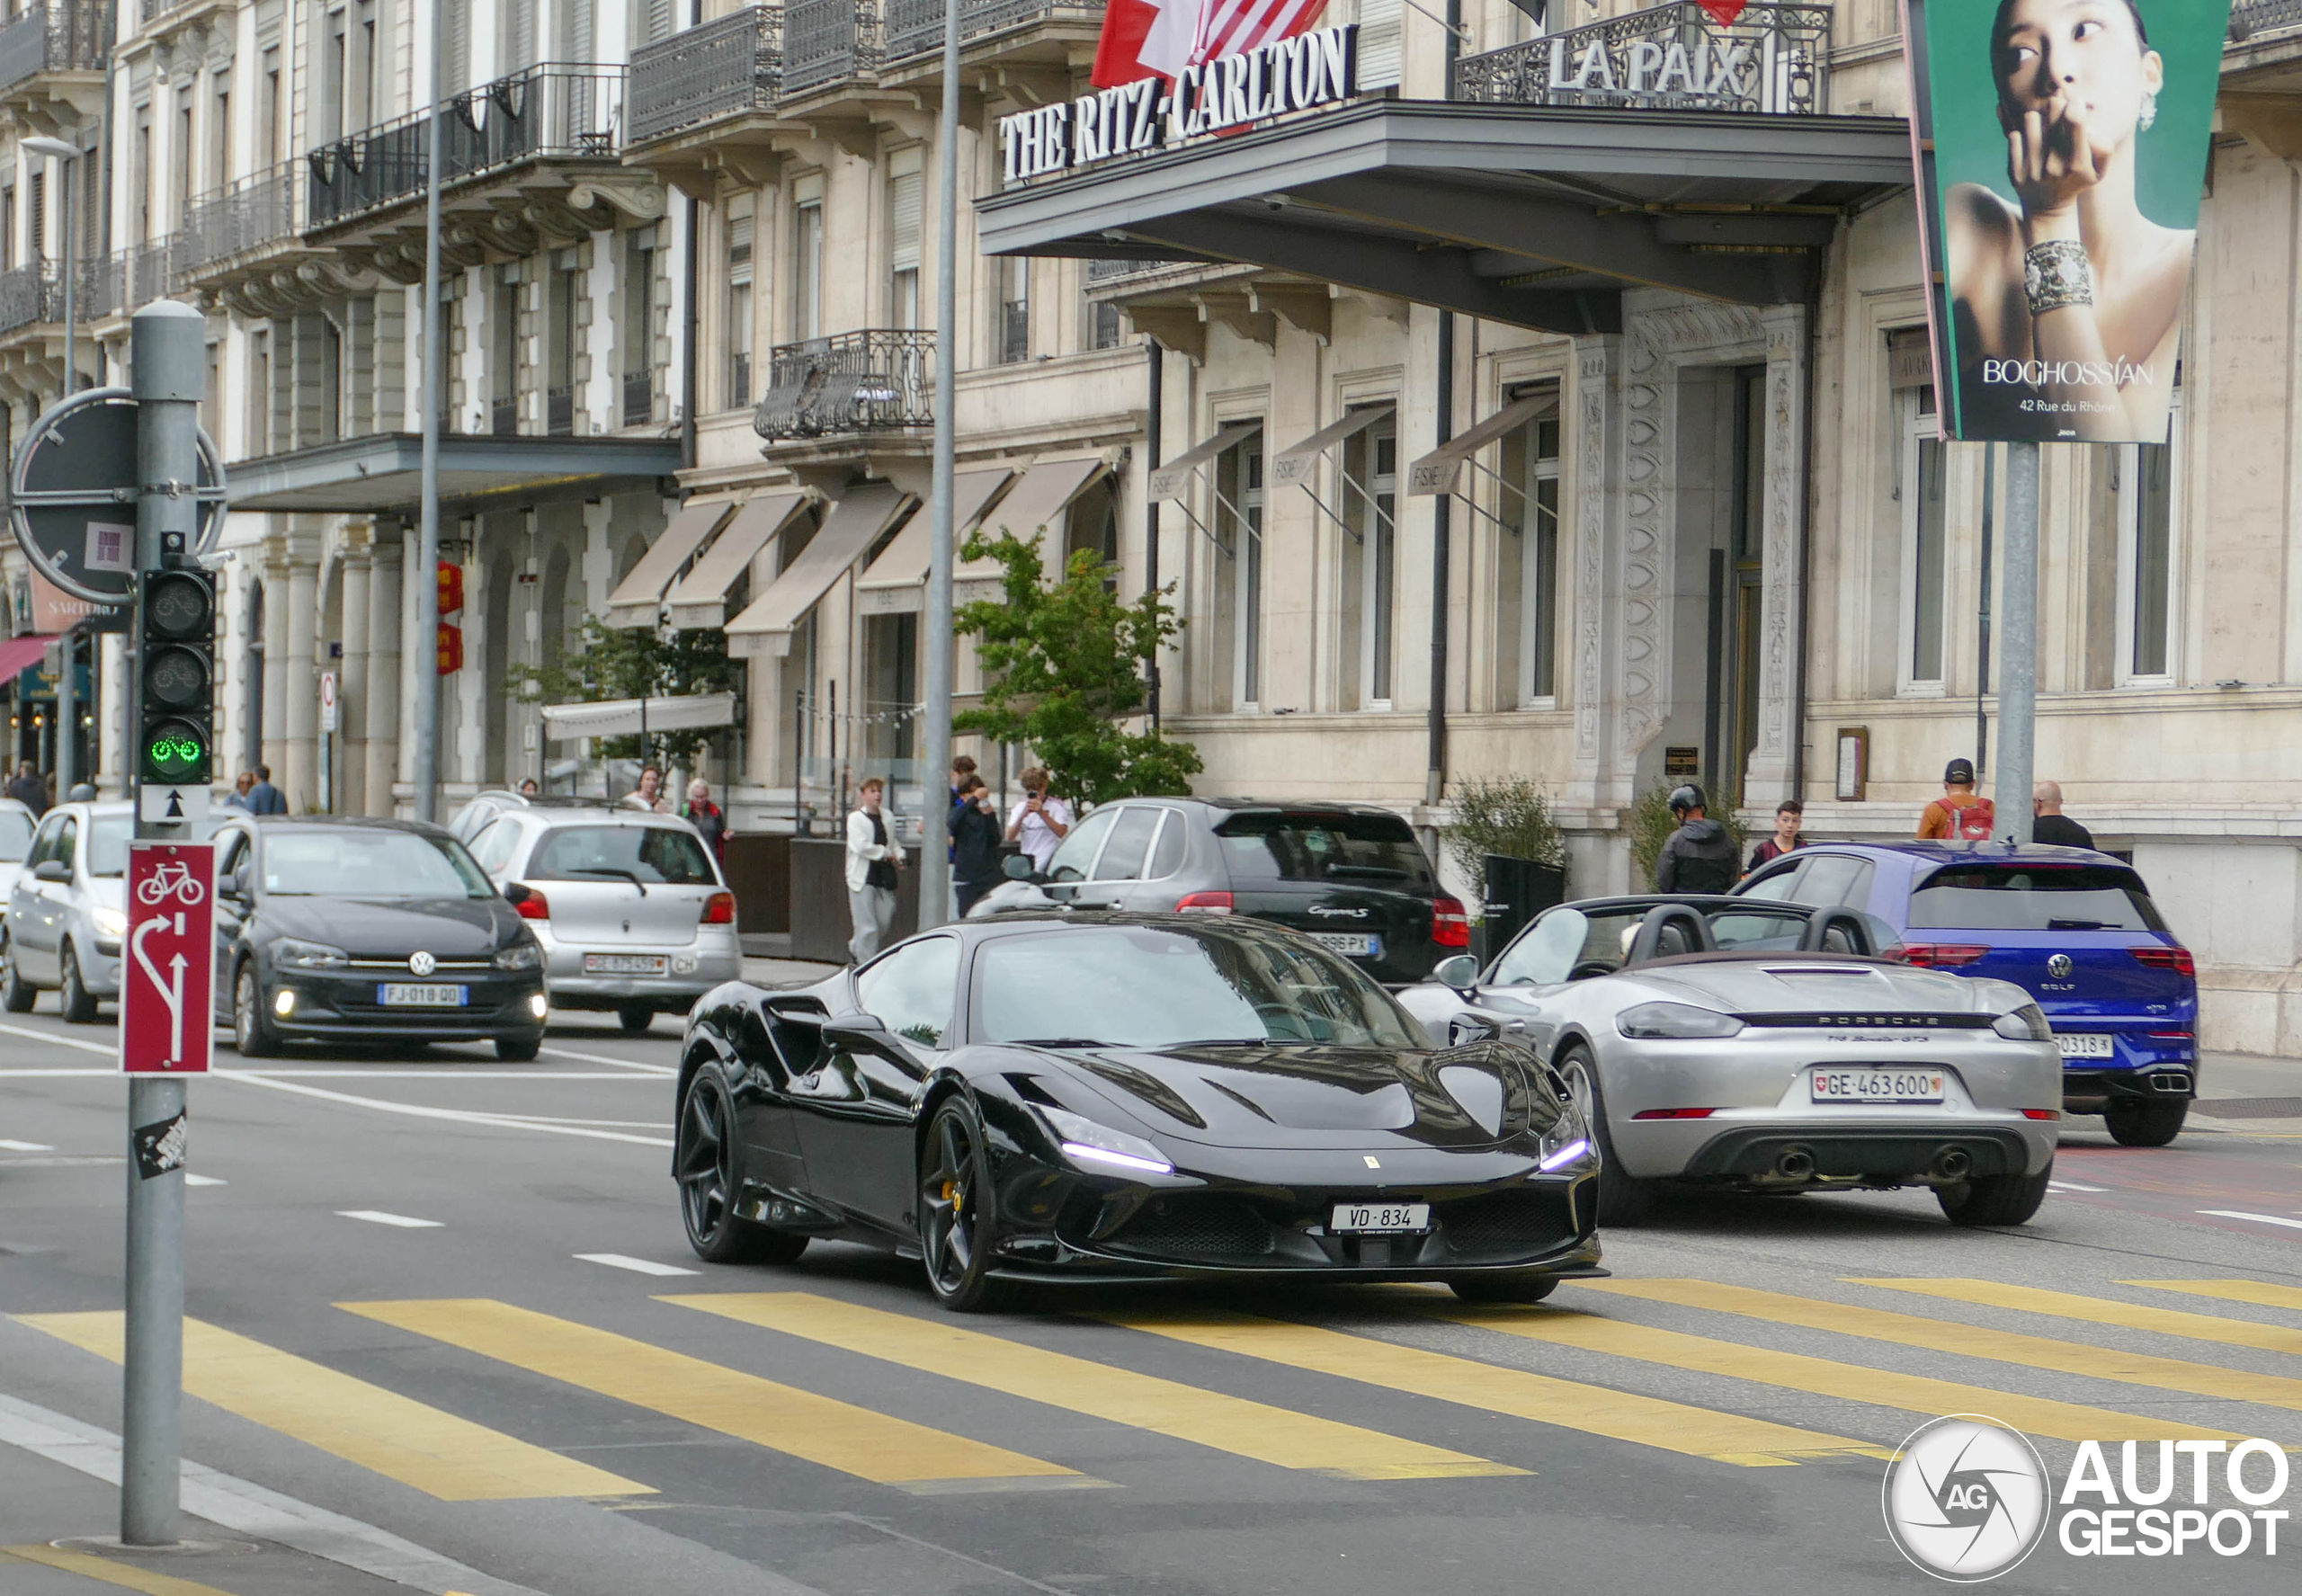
[[455, 67], [519, 35], [1379, 25], [656, 20], [575, 31], [905, 186]]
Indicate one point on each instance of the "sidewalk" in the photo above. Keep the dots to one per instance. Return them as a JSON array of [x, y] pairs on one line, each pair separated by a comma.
[[2262, 1096]]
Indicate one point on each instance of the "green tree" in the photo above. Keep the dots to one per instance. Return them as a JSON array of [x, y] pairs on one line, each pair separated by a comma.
[[1063, 667], [603, 663], [1509, 817]]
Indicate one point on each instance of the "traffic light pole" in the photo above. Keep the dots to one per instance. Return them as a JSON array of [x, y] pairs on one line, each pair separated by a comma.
[[169, 370]]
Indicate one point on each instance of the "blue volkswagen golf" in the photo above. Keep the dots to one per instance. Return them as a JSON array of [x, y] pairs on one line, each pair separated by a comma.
[[2076, 927]]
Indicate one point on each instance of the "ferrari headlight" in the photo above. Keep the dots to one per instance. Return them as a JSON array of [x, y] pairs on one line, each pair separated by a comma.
[[518, 956], [109, 922], [2025, 1024], [290, 954], [1099, 1147], [1566, 1144], [1652, 1021]]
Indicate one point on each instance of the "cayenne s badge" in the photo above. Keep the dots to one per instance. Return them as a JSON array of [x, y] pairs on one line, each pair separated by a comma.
[[1325, 912], [420, 963], [2058, 965]]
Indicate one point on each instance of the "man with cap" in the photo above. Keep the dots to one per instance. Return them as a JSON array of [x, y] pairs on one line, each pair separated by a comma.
[[1699, 856], [1960, 811]]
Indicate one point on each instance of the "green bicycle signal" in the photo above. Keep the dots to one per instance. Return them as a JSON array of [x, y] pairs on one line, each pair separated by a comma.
[[176, 751]]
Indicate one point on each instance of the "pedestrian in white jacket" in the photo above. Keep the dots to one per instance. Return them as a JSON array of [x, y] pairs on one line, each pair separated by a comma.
[[873, 858]]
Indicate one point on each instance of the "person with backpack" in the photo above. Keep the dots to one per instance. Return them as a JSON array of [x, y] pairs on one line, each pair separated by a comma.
[[1960, 814], [1699, 856]]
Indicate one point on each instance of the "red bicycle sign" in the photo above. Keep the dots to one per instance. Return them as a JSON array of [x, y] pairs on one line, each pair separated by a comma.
[[167, 979]]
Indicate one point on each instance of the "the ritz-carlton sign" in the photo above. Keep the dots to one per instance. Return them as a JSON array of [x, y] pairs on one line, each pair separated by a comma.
[[1298, 73]]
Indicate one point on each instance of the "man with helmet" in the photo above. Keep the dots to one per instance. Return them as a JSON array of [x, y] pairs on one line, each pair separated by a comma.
[[1699, 856]]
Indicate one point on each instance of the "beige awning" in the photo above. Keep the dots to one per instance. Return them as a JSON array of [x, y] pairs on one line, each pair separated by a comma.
[[857, 520], [1037, 501], [896, 582], [624, 718], [1173, 479], [1436, 472], [700, 599], [1294, 464], [638, 598]]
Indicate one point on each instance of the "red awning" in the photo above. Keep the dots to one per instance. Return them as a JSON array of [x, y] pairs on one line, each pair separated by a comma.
[[21, 653]]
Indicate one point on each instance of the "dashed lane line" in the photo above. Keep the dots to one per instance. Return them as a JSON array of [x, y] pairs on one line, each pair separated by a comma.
[[2257, 1219], [458, 1116], [639, 1266], [378, 1217]]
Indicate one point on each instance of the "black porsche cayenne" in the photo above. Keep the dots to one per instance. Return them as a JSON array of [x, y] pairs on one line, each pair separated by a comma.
[[1125, 1097]]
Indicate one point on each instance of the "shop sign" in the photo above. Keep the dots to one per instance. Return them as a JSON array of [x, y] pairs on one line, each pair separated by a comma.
[[1230, 92], [2061, 150]]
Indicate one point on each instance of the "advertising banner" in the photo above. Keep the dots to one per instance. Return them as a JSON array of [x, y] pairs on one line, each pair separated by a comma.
[[2061, 148]]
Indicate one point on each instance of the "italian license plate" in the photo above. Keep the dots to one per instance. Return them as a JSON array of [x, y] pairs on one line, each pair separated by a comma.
[[1378, 1218], [1354, 944], [400, 994], [1877, 1085], [2087, 1044], [624, 963]]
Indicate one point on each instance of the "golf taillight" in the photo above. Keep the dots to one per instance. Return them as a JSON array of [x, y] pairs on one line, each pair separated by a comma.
[[1204, 903], [719, 909], [2177, 959], [1942, 956], [1450, 925], [532, 905]]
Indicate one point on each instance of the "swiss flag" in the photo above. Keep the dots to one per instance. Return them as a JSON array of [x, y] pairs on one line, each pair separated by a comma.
[[1160, 38]]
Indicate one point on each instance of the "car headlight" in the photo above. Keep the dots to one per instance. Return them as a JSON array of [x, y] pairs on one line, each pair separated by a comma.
[[287, 953], [109, 922], [1099, 1146], [2025, 1024], [520, 956], [1567, 1145], [1649, 1020]]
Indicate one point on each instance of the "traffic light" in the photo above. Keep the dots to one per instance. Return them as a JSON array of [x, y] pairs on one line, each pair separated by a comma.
[[178, 685]]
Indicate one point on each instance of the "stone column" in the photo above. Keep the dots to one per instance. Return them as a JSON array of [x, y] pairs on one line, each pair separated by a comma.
[[351, 680], [1597, 445], [299, 684], [415, 653], [1767, 778], [380, 695], [111, 720], [273, 750]]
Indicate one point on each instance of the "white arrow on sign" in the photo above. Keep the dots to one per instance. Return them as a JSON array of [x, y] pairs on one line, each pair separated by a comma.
[[171, 992], [172, 803]]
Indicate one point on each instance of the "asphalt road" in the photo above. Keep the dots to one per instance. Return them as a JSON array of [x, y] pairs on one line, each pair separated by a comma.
[[423, 1299]]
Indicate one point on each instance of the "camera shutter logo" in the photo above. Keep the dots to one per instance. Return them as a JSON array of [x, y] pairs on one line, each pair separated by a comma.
[[2059, 967], [1966, 1498]]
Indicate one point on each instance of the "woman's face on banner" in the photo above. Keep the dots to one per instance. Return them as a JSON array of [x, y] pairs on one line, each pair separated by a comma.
[[2055, 56]]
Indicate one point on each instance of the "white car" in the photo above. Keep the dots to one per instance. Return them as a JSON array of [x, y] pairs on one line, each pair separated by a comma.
[[632, 908], [67, 909], [17, 824]]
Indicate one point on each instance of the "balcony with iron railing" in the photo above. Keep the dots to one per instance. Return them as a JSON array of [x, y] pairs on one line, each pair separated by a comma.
[[52, 64], [251, 219], [876, 381], [551, 111], [731, 67], [827, 42], [915, 27], [1781, 70]]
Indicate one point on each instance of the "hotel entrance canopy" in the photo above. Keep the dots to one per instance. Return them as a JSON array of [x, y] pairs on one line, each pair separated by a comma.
[[1524, 198]]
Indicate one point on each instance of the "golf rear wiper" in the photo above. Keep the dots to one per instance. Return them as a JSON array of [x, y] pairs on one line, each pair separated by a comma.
[[2080, 925], [619, 875]]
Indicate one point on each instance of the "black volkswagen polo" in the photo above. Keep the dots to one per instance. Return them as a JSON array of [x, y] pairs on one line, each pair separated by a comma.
[[339, 930]]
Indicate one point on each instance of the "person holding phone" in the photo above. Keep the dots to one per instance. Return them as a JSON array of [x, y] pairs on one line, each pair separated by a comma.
[[1041, 821], [974, 843]]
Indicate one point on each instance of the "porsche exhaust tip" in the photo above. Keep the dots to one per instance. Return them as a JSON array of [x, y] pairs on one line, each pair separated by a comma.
[[1952, 1163], [1794, 1163]]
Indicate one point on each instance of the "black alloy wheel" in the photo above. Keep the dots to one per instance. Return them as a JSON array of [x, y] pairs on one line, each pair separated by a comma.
[[636, 1018], [1994, 1200], [1623, 1199], [252, 1030], [79, 1004], [1527, 1286], [956, 1220], [710, 1162], [2139, 1124], [17, 994], [519, 1050]]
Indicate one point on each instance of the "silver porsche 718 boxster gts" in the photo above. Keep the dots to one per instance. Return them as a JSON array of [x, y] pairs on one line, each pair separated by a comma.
[[1763, 1046]]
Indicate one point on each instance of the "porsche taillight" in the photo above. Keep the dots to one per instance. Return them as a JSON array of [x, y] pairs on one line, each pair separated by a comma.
[[1450, 925]]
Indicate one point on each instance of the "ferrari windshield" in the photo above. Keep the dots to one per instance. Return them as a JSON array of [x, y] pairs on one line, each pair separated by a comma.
[[1151, 986]]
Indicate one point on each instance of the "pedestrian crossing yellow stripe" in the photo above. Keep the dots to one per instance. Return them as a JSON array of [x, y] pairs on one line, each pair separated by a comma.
[[1569, 1404], [839, 1435], [1941, 1335], [2261, 1293], [437, 1453], [125, 1575], [2126, 1316], [1116, 1396], [1822, 1376]]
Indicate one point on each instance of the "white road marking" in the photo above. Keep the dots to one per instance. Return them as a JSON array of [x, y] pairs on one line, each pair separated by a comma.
[[352, 1073], [9, 1146], [630, 1064], [109, 1049], [425, 1111], [639, 1266], [51, 1075], [193, 1179], [2073, 1186], [2257, 1219], [378, 1217]]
